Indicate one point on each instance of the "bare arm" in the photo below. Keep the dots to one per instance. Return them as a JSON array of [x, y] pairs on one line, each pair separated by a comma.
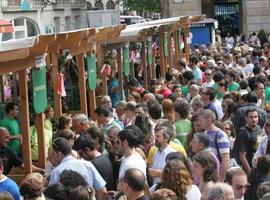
[[244, 162], [224, 166], [101, 193]]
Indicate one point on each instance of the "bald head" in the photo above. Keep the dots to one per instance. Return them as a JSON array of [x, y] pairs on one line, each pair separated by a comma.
[[148, 96], [4, 137], [135, 179]]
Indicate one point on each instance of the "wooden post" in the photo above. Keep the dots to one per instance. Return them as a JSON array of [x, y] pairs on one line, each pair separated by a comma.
[[176, 46], [57, 97], [120, 74], [82, 82], [15, 86], [170, 52], [144, 65], [2, 90], [162, 57], [187, 46], [92, 103], [100, 57], [132, 72], [39, 123], [25, 123]]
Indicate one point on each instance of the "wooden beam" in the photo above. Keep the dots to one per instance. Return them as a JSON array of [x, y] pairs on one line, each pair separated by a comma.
[[14, 54], [92, 103], [25, 123], [176, 46], [170, 52], [2, 89], [39, 123], [56, 96], [132, 72], [187, 45], [82, 82], [162, 56], [100, 58], [120, 73], [144, 65]]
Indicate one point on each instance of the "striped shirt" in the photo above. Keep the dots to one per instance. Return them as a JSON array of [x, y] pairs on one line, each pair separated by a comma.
[[223, 143]]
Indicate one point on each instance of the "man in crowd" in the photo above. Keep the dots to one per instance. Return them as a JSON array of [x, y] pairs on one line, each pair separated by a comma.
[[247, 140], [11, 124], [219, 142], [237, 178], [61, 153], [80, 123]]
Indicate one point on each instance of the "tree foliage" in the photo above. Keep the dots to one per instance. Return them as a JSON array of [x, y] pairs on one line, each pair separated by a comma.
[[148, 6]]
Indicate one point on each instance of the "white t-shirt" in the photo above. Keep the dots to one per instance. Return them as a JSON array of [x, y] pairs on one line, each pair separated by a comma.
[[218, 107], [193, 193], [133, 161]]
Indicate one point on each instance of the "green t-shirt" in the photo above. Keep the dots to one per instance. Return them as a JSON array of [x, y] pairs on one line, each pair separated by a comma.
[[34, 142], [233, 87], [12, 126], [219, 94], [184, 90], [183, 127], [267, 95]]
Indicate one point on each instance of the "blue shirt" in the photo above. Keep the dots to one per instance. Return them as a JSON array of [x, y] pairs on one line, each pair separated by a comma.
[[115, 96], [222, 144], [83, 167], [8, 185]]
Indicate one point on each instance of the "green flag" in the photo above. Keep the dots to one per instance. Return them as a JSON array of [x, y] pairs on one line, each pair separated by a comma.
[[149, 51], [126, 61], [92, 71], [166, 50], [39, 88]]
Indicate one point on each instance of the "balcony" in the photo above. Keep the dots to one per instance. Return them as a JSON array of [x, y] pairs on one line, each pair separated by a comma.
[[15, 5], [78, 4]]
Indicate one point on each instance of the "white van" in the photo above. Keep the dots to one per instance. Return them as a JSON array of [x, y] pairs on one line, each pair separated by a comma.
[[128, 19]]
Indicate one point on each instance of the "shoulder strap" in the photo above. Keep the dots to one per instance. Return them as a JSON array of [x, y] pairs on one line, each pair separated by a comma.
[[216, 142]]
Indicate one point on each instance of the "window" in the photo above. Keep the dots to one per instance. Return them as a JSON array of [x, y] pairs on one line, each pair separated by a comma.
[[110, 5], [23, 28], [99, 5]]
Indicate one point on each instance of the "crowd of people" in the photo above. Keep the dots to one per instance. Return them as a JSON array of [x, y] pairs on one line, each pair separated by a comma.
[[201, 132]]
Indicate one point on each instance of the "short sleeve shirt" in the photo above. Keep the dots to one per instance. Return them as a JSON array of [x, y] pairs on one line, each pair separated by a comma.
[[10, 159], [12, 126]]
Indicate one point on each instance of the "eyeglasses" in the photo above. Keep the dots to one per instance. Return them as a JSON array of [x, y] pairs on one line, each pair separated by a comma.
[[240, 187], [208, 74], [54, 144]]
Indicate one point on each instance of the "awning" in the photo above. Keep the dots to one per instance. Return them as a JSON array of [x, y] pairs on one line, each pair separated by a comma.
[[5, 26]]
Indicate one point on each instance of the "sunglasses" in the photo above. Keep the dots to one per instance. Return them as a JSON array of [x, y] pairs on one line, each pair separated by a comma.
[[208, 74]]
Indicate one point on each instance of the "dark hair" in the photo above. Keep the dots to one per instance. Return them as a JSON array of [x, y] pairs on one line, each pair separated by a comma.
[[194, 59], [257, 69], [181, 106], [250, 110], [159, 98], [72, 179], [83, 142], [135, 179], [61, 145], [10, 106], [81, 193], [211, 92], [143, 106], [154, 109], [95, 132], [263, 164], [218, 76], [243, 84], [257, 84], [143, 122], [133, 83], [168, 76], [252, 97], [188, 75], [102, 110], [65, 133], [128, 134], [56, 191], [63, 121], [181, 157], [140, 134], [208, 162]]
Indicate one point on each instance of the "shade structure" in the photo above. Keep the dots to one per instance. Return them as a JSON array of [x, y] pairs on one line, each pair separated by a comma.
[[5, 26]]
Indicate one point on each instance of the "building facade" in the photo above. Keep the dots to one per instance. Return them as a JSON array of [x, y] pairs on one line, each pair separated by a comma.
[[101, 5], [32, 17], [245, 16]]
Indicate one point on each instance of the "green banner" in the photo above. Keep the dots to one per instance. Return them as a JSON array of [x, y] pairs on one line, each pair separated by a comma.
[[39, 89], [126, 61], [149, 51], [92, 71], [166, 50]]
